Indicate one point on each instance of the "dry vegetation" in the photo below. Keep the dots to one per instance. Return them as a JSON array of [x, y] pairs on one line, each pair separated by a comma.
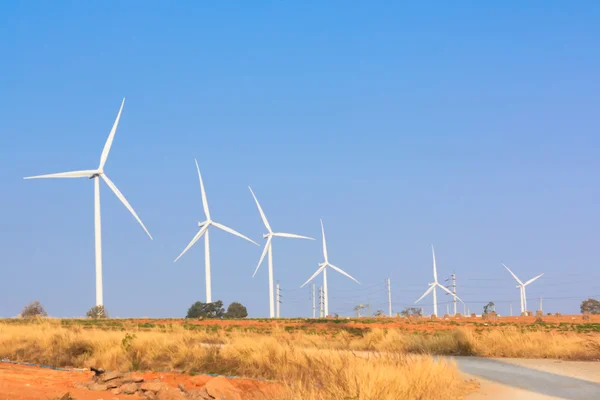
[[303, 372], [342, 364]]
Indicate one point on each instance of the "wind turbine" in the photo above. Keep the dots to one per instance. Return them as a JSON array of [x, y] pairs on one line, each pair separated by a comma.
[[435, 284], [323, 267], [269, 248], [203, 230], [521, 288], [95, 174]]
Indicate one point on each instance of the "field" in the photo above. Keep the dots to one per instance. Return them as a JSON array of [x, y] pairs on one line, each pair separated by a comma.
[[295, 358]]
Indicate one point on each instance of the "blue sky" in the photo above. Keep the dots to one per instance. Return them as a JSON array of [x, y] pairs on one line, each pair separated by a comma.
[[472, 127]]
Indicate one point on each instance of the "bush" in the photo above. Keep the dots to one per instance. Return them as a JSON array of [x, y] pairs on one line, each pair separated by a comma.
[[410, 311], [34, 309], [236, 310], [206, 310], [97, 312]]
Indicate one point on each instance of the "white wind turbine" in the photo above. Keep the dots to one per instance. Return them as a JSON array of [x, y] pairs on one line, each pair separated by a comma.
[[521, 288], [433, 285], [323, 267], [269, 248], [95, 174], [203, 230]]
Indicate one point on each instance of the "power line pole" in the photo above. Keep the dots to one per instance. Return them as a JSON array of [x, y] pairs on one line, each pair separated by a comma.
[[389, 288], [454, 290], [540, 303], [511, 309], [321, 310], [278, 299], [447, 309], [314, 301], [464, 309]]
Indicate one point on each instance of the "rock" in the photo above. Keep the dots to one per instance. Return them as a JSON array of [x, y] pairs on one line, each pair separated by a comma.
[[149, 396], [167, 393], [116, 391], [221, 389], [67, 396], [110, 376], [98, 387], [134, 379], [153, 386], [130, 388], [114, 384], [181, 387], [199, 394]]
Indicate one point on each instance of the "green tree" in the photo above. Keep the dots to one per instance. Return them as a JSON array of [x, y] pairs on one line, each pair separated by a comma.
[[33, 309], [489, 307], [236, 310], [206, 310], [591, 306], [97, 312]]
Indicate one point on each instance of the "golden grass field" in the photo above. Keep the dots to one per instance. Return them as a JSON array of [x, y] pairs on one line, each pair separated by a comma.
[[377, 364]]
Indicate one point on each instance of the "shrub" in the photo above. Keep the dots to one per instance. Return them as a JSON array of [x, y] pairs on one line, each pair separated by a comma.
[[236, 310], [206, 310], [34, 309], [97, 312]]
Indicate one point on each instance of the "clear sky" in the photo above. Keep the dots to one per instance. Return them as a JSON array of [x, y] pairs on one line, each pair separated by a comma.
[[474, 128]]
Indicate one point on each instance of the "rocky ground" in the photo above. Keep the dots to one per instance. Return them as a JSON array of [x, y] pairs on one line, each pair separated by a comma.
[[31, 383]]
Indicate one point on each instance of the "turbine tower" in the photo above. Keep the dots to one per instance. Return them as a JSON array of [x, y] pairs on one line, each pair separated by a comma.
[[203, 230], [521, 286], [95, 174], [269, 248], [433, 285], [323, 267]]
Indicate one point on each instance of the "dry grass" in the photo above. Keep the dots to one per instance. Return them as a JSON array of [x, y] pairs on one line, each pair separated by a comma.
[[304, 373]]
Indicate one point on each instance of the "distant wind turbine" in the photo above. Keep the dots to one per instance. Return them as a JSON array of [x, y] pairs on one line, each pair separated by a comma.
[[323, 267], [521, 288], [432, 287], [95, 174], [203, 230], [269, 248]]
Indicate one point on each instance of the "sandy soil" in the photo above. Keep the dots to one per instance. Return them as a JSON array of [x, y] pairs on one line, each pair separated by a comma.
[[19, 382]]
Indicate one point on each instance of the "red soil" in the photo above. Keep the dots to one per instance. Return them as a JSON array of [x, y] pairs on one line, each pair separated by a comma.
[[18, 382]]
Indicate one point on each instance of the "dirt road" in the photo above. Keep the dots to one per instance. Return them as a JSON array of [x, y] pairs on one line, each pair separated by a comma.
[[532, 379]]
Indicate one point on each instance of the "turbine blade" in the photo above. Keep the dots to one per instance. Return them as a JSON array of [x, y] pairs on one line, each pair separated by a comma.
[[425, 294], [434, 266], [512, 273], [264, 253], [72, 174], [262, 214], [321, 268], [204, 201], [292, 235], [444, 288], [532, 279], [194, 240], [324, 243], [227, 229], [118, 193], [111, 136], [341, 271]]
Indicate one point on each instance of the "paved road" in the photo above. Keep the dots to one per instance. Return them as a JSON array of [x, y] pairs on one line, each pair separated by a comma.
[[529, 380]]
